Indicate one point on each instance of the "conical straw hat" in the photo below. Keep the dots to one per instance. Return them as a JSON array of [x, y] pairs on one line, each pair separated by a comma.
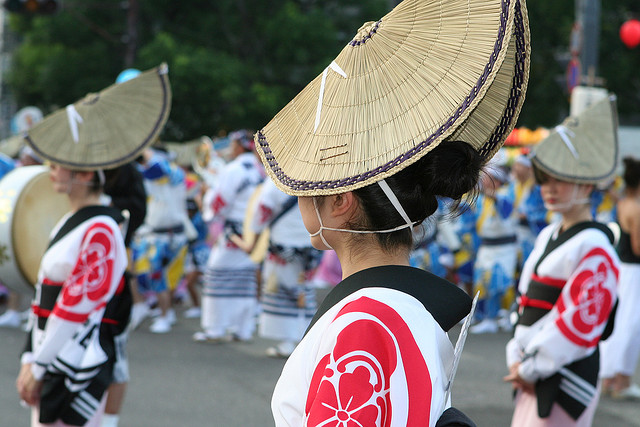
[[106, 129], [583, 149], [429, 71]]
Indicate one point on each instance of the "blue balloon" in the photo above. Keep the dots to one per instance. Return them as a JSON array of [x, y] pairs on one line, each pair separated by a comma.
[[127, 74]]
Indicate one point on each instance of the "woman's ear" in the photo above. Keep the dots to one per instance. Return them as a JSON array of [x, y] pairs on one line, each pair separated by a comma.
[[84, 176], [343, 204]]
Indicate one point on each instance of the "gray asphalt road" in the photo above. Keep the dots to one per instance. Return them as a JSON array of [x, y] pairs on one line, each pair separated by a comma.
[[177, 382]]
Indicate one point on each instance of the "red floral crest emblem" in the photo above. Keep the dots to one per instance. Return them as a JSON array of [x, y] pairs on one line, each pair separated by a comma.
[[592, 295], [92, 273], [351, 386]]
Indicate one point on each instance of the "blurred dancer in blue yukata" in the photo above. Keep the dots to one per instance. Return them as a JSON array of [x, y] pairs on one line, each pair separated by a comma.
[[198, 250], [497, 256], [160, 244], [427, 249], [229, 295], [458, 260], [529, 215]]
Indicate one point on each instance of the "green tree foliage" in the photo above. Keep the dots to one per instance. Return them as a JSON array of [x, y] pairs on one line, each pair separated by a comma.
[[232, 63], [548, 98], [235, 63]]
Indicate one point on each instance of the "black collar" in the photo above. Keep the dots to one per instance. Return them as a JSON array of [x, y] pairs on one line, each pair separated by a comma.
[[566, 235], [81, 216], [447, 303]]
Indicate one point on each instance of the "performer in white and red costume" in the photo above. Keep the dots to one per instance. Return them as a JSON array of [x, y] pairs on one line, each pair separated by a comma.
[[82, 302], [230, 289], [368, 147], [568, 283]]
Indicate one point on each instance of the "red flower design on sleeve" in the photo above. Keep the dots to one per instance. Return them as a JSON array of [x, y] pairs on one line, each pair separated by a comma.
[[591, 293], [217, 204], [351, 386], [265, 213], [92, 274]]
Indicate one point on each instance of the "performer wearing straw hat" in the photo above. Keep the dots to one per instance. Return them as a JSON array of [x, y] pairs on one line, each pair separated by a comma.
[[409, 110], [77, 311], [495, 264], [568, 283]]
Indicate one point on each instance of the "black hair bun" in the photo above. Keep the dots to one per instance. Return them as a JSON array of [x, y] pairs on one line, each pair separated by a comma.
[[452, 169]]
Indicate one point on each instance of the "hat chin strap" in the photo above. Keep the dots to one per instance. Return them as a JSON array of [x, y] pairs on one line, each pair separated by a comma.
[[394, 201], [563, 207]]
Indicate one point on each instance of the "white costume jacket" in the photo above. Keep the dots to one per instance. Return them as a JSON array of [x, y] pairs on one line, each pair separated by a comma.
[[568, 289], [71, 340], [377, 353]]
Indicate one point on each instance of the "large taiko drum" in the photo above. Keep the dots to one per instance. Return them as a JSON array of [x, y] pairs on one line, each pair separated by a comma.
[[29, 209]]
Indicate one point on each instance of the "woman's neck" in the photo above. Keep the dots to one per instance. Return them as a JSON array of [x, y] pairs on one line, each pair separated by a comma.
[[577, 214], [632, 193], [79, 202], [355, 258]]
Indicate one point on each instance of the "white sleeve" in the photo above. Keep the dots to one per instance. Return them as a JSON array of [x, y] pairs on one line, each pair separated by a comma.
[[221, 196], [572, 329]]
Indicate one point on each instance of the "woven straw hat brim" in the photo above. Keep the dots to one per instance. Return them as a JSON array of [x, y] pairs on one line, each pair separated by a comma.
[[186, 152], [12, 145], [583, 149], [107, 129], [426, 72]]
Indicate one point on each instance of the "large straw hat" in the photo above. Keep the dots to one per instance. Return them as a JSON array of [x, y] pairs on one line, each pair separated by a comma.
[[106, 129], [428, 71], [583, 149]]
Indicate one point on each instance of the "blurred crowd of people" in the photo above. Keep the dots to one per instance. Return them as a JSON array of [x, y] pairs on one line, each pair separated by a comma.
[[193, 246], [231, 249]]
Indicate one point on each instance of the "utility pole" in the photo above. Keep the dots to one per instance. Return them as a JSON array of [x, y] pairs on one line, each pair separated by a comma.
[[7, 104], [588, 20], [131, 36]]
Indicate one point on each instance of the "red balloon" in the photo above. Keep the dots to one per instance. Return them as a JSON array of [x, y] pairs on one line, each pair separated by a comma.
[[630, 33]]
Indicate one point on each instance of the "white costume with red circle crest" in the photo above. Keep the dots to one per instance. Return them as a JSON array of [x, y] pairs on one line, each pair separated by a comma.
[[377, 357], [568, 289], [71, 340]]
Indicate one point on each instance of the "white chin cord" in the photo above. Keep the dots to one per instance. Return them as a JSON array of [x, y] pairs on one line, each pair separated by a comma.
[[563, 207], [394, 201]]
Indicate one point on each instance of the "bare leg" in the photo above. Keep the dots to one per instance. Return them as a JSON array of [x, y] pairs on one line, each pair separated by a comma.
[[164, 301], [192, 282], [115, 398]]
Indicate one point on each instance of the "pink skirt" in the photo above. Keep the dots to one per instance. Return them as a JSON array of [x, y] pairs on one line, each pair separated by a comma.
[[526, 413]]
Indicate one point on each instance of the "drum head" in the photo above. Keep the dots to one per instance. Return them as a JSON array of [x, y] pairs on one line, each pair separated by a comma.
[[35, 210]]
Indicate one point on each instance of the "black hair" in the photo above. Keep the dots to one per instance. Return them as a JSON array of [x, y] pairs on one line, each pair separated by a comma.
[[631, 173], [450, 170], [540, 176]]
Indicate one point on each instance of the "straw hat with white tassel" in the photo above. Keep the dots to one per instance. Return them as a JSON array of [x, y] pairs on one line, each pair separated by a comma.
[[427, 72], [106, 129], [583, 149]]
